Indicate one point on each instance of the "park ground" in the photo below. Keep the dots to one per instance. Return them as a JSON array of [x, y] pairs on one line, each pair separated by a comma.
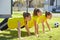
[[12, 34]]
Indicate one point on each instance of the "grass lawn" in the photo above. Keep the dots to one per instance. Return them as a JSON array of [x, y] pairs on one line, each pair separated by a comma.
[[54, 34]]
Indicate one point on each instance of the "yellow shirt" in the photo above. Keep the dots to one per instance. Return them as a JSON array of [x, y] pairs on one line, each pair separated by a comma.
[[31, 22], [13, 22], [41, 18]]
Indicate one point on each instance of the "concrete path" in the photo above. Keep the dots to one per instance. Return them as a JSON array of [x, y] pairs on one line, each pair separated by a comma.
[[56, 15]]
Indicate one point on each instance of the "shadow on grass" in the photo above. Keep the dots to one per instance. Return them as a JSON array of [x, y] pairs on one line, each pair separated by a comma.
[[13, 35], [24, 34]]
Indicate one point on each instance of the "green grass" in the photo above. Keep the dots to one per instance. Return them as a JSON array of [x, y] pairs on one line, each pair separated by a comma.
[[49, 35]]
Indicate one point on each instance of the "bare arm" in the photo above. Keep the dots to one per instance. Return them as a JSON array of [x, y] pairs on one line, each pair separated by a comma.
[[26, 27], [19, 30], [36, 28], [43, 27], [47, 25]]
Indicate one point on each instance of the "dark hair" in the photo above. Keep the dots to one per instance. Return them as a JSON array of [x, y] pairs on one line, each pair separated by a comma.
[[35, 12], [25, 14], [47, 13]]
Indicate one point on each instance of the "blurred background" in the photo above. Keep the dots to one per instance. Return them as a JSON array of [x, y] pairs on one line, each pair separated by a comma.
[[46, 5]]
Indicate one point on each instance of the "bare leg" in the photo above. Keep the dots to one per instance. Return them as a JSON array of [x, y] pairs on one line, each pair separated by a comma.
[[43, 29]]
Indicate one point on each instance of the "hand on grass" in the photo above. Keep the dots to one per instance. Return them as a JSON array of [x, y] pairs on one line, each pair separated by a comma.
[[29, 34], [37, 35]]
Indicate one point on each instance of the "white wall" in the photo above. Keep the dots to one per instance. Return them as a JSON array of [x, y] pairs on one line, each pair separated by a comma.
[[5, 7]]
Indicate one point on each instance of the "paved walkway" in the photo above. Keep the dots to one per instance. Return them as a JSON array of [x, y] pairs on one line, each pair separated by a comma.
[[56, 15]]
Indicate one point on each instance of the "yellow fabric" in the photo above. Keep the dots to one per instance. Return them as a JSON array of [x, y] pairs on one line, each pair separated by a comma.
[[13, 22], [31, 22], [35, 18], [41, 18]]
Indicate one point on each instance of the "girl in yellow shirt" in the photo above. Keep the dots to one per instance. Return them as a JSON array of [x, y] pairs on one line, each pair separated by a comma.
[[13, 23], [36, 14], [44, 18]]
